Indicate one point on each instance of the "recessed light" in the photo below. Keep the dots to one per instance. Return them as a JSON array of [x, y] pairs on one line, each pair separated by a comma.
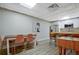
[[28, 5], [66, 17]]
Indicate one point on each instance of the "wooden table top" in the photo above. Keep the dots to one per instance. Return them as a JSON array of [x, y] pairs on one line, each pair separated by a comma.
[[64, 33]]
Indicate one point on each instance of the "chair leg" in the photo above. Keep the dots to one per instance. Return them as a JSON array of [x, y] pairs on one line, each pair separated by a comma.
[[14, 50], [11, 50], [1, 52], [60, 51], [77, 52], [63, 51], [24, 46]]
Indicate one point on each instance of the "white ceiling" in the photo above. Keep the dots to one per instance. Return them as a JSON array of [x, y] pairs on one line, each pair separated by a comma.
[[42, 11]]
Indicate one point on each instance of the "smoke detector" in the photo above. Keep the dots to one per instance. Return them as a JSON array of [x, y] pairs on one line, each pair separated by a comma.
[[54, 5]]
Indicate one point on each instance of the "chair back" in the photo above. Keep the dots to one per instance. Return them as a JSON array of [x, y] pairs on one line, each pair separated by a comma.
[[19, 39], [30, 37]]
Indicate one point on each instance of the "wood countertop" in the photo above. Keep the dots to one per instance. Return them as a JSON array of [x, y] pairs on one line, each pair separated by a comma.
[[64, 33], [69, 38]]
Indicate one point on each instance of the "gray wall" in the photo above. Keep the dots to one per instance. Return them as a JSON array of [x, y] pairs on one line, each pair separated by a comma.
[[44, 29], [12, 23]]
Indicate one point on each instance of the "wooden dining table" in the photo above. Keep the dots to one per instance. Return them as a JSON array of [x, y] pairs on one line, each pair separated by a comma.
[[64, 43]]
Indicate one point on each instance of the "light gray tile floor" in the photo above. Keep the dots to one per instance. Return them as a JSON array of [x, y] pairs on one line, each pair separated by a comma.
[[43, 48]]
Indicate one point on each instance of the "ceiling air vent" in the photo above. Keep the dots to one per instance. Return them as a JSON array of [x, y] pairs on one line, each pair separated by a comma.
[[54, 5]]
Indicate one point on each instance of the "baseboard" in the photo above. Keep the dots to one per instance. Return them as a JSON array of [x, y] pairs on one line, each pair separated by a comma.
[[43, 39]]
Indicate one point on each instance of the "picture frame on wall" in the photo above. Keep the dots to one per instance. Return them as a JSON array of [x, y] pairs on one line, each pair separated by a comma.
[[38, 27]]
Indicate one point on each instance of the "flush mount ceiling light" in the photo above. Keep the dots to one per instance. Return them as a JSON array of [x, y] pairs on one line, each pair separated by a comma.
[[28, 5], [66, 17]]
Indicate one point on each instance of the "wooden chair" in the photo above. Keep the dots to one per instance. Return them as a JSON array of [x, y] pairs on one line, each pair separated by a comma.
[[63, 45], [19, 41], [30, 41], [60, 43]]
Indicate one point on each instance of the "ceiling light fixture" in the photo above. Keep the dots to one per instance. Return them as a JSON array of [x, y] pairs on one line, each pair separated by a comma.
[[28, 5], [66, 17]]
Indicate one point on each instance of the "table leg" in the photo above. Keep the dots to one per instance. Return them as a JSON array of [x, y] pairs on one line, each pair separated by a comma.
[[34, 43], [77, 52], [8, 47]]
